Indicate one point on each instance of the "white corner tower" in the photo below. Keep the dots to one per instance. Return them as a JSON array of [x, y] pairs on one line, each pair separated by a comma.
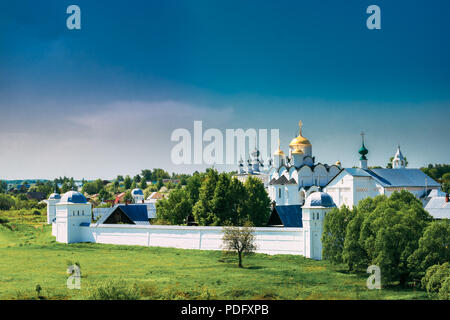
[[52, 200], [313, 213], [71, 212]]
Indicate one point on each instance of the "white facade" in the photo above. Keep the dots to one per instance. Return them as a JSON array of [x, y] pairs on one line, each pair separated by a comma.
[[352, 185], [51, 207], [293, 178]]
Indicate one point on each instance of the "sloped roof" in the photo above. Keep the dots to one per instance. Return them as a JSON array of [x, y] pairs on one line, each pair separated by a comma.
[[136, 212], [289, 215], [438, 208], [403, 177], [281, 180], [395, 177]]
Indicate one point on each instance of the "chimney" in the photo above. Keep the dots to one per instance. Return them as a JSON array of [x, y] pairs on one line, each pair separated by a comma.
[[446, 197]]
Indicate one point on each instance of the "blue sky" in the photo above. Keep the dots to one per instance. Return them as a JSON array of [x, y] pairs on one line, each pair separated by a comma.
[[104, 100]]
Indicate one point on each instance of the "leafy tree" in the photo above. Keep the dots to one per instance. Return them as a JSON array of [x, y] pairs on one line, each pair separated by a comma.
[[436, 171], [353, 253], [238, 195], [45, 187], [127, 182], [116, 185], [202, 211], [3, 186], [437, 279], [104, 195], [6, 202], [158, 174], [68, 185], [128, 197], [334, 231], [119, 178], [174, 209], [390, 234], [446, 182], [193, 187], [143, 184], [137, 179], [221, 201], [444, 291], [433, 247], [159, 184], [146, 174], [257, 203], [240, 240], [92, 187]]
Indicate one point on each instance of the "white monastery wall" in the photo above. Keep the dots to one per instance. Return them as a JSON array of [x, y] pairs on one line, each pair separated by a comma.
[[268, 240]]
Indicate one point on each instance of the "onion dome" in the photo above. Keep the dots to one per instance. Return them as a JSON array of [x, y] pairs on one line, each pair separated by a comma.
[[319, 199], [300, 140], [363, 152], [73, 197], [338, 163], [297, 150]]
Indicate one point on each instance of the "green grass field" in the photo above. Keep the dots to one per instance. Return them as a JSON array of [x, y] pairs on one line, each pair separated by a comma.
[[30, 256]]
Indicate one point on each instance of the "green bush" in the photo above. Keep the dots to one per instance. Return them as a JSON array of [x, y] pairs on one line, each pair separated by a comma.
[[444, 292], [437, 279], [118, 290], [6, 202]]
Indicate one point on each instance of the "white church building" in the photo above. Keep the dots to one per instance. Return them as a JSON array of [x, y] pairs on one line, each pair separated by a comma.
[[352, 185], [293, 177]]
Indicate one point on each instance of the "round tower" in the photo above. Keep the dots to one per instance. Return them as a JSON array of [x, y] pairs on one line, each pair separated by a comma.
[[72, 213], [52, 200], [317, 204]]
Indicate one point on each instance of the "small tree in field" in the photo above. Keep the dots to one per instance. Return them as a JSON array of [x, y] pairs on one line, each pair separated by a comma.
[[239, 239]]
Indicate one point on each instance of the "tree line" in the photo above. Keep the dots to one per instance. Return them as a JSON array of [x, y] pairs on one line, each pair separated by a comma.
[[214, 199], [394, 233]]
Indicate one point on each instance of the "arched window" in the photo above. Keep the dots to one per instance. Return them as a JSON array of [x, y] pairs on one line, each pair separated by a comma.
[[279, 193]]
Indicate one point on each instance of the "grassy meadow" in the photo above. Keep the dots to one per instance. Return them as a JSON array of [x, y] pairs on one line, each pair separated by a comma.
[[29, 256]]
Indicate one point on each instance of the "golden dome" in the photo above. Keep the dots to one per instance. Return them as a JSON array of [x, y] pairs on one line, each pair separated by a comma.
[[300, 140], [297, 151], [279, 152], [338, 163]]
